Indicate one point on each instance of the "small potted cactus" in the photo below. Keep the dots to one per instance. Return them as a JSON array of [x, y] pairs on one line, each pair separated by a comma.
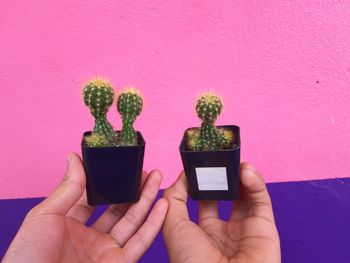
[[113, 160], [211, 154]]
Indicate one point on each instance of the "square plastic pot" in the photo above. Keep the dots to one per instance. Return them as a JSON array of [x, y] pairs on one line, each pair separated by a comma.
[[113, 174], [213, 175]]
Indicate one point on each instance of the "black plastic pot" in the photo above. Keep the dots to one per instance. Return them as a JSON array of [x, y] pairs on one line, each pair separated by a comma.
[[113, 174], [212, 175]]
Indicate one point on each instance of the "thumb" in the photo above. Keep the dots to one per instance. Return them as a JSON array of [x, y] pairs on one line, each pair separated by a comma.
[[68, 192], [256, 192], [177, 197]]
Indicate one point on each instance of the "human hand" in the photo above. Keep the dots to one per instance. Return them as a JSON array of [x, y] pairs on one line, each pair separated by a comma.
[[55, 231], [250, 235]]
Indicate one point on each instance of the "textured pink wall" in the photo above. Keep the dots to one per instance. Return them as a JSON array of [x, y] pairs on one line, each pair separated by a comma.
[[282, 67]]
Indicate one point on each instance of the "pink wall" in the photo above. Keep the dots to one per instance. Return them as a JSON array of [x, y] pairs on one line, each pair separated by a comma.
[[282, 67]]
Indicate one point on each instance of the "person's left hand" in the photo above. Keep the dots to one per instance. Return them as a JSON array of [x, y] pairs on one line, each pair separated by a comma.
[[55, 231]]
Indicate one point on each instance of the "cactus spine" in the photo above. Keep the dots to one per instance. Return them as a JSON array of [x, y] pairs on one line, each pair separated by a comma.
[[209, 137], [129, 105], [98, 96]]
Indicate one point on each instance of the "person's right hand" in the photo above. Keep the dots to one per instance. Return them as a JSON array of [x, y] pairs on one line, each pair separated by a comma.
[[250, 235]]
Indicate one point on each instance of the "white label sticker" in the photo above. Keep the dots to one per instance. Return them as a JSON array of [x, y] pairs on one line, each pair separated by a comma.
[[211, 178]]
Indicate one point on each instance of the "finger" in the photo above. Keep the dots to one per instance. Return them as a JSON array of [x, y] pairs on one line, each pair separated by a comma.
[[177, 197], [114, 213], [81, 211], [143, 238], [241, 207], [256, 196], [136, 214], [207, 210], [68, 192]]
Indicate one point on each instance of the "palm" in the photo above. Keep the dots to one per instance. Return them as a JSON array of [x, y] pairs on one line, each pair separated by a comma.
[[249, 236], [91, 244], [72, 241], [241, 241]]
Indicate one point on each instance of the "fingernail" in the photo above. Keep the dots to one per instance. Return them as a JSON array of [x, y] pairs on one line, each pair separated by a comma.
[[157, 174], [248, 166], [248, 171], [69, 160]]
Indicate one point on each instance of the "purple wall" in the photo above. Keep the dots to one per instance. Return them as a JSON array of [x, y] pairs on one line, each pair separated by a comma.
[[313, 218]]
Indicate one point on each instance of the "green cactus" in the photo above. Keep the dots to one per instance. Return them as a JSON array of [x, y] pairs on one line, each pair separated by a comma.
[[129, 105], [98, 95], [209, 137], [96, 140]]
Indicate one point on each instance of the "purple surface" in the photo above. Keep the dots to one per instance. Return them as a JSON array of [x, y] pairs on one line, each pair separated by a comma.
[[313, 218]]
